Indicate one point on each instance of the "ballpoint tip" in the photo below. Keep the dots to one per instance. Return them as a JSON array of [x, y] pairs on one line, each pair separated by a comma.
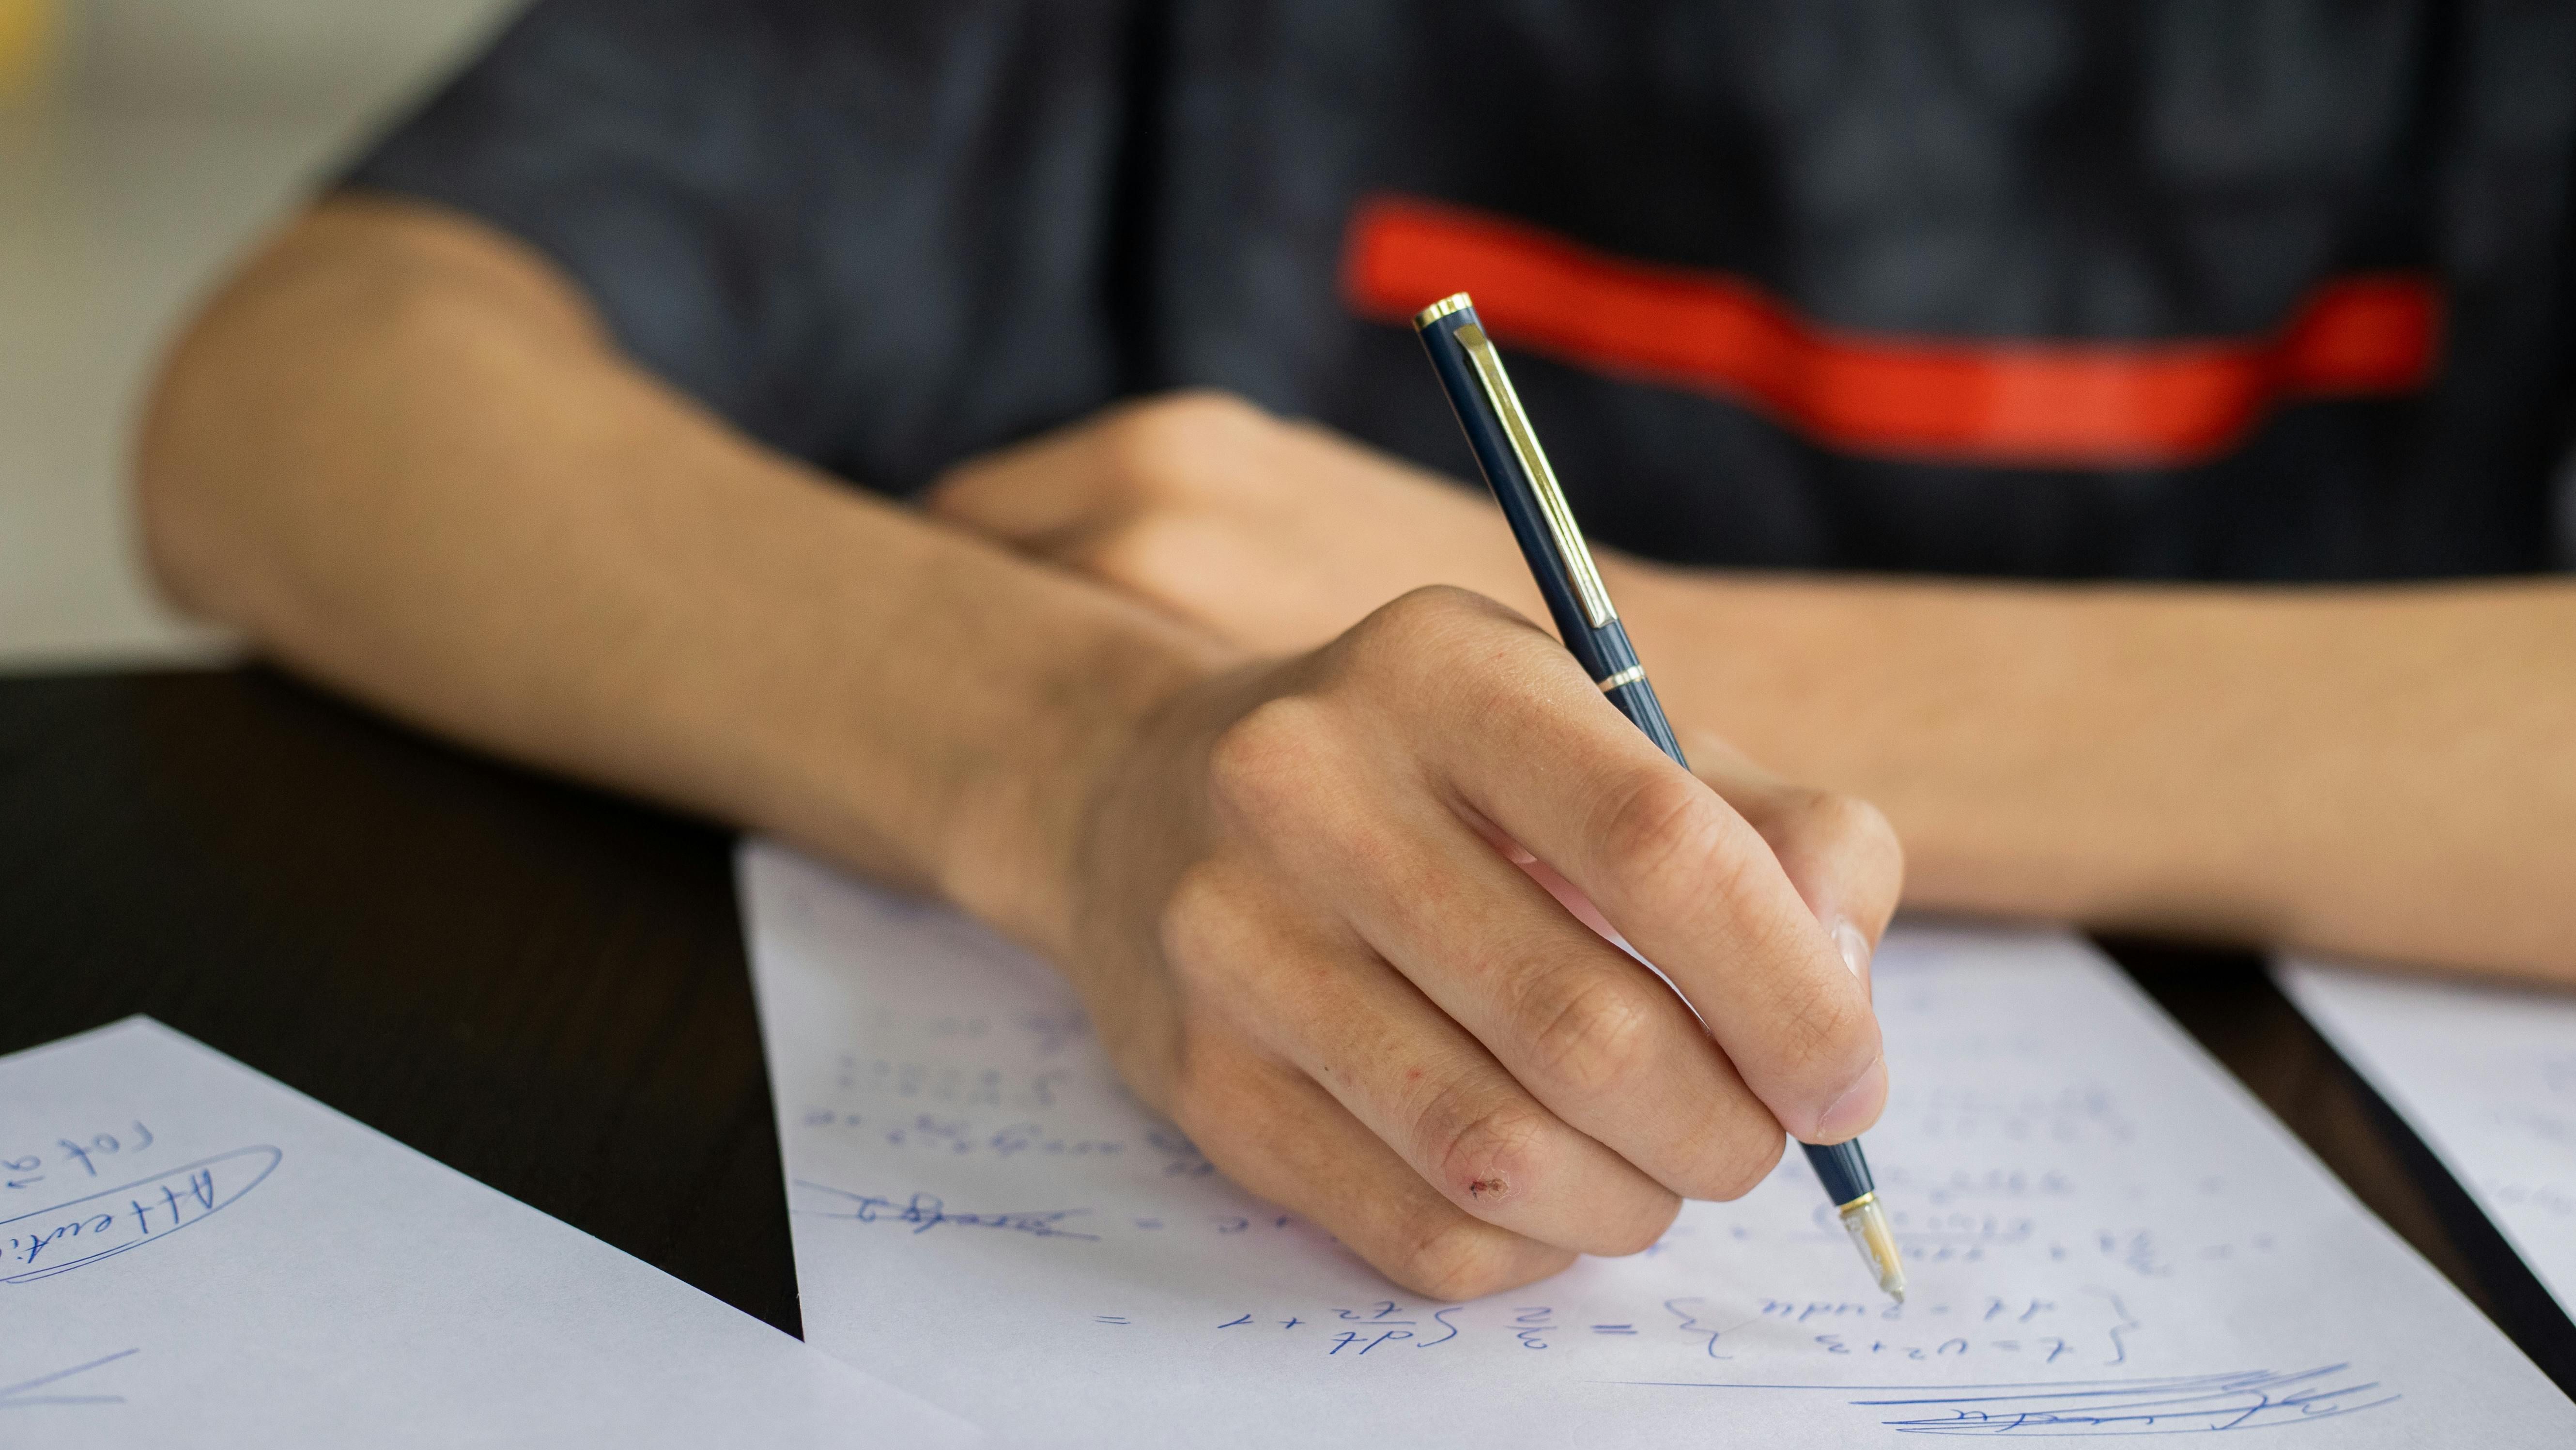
[[1876, 1240]]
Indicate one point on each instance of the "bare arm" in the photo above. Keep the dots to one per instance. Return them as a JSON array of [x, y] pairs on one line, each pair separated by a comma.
[[400, 454], [2386, 771]]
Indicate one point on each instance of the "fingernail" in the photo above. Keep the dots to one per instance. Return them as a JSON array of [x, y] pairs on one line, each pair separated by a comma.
[[1858, 1106], [1849, 940]]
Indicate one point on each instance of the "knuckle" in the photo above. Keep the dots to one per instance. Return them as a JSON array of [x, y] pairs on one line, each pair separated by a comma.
[[1736, 1158], [1854, 828], [1143, 549], [1485, 1155], [1207, 411], [1643, 1230], [1445, 642], [1667, 831], [1435, 617], [1594, 1034], [1436, 606], [1262, 763], [1167, 446], [1202, 921]]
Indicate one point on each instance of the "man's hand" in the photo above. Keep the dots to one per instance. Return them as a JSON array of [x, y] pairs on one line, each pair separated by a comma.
[[1278, 535], [1317, 923], [1302, 931]]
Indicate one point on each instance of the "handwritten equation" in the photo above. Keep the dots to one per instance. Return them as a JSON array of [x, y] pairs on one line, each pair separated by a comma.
[[2104, 1234], [2034, 1330]]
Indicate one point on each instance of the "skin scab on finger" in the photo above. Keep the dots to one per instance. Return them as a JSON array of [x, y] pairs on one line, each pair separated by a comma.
[[1480, 1189]]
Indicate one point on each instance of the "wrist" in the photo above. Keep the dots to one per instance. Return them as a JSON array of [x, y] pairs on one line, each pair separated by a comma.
[[1011, 851]]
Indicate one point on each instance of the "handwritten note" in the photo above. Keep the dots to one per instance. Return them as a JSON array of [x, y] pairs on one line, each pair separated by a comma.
[[191, 1254], [2106, 1237], [2486, 1076]]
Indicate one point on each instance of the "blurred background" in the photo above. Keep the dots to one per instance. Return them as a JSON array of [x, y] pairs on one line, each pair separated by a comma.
[[143, 144]]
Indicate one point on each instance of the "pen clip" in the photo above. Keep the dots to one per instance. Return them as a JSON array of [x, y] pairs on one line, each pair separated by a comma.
[[1570, 548]]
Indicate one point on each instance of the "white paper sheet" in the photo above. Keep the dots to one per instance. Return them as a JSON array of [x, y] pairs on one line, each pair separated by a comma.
[[197, 1256], [2105, 1236], [2487, 1078]]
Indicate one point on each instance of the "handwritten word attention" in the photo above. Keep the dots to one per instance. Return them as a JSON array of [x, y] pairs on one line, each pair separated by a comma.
[[66, 1236]]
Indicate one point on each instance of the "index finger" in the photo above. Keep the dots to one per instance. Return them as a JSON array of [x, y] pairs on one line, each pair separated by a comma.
[[1535, 748]]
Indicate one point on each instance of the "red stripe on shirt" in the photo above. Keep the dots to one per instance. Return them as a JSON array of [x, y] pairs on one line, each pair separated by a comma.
[[2067, 404]]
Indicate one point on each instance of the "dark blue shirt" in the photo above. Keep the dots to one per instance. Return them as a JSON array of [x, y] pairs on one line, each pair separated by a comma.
[[2261, 289]]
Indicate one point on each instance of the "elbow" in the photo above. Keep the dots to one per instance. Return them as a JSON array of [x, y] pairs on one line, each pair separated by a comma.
[[217, 443], [274, 397], [276, 424], [178, 514]]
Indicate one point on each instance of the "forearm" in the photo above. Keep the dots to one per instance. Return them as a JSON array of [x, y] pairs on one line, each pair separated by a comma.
[[398, 453], [2389, 772], [2385, 771]]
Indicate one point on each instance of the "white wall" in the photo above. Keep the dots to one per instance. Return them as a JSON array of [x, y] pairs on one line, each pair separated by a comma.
[[326, 58], [177, 130]]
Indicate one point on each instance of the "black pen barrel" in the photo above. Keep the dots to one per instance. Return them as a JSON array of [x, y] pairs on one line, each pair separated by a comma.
[[1842, 1169], [1513, 488], [1507, 450], [1624, 681], [1601, 647]]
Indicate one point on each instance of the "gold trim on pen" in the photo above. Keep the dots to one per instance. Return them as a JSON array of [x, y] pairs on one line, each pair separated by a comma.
[[1454, 302], [1628, 676], [1570, 548]]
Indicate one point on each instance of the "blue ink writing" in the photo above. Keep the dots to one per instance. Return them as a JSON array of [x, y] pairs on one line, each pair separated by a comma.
[[923, 1212], [66, 1236]]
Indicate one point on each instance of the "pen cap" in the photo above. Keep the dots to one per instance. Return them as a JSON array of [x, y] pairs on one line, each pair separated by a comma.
[[1516, 469], [1507, 452]]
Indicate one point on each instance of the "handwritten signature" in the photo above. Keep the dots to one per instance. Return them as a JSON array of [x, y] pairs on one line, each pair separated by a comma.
[[2179, 1404], [925, 1211]]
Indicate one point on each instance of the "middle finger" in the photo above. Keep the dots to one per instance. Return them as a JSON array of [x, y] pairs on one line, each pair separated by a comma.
[[1594, 1035]]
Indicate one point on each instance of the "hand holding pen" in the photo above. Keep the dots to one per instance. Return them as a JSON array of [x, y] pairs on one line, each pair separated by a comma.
[[1542, 522], [1300, 928]]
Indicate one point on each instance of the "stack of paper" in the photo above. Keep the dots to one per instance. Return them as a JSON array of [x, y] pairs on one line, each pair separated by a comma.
[[2487, 1076], [2106, 1236], [192, 1255]]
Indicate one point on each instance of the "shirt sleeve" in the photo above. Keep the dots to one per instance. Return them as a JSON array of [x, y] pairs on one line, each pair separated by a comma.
[[869, 235]]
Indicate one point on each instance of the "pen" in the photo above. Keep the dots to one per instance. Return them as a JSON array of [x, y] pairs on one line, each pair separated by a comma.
[[1517, 470]]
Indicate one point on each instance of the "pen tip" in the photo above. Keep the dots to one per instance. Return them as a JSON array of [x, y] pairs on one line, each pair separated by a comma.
[[1876, 1240]]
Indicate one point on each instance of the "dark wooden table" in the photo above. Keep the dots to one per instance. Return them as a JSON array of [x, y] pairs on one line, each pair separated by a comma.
[[544, 987]]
